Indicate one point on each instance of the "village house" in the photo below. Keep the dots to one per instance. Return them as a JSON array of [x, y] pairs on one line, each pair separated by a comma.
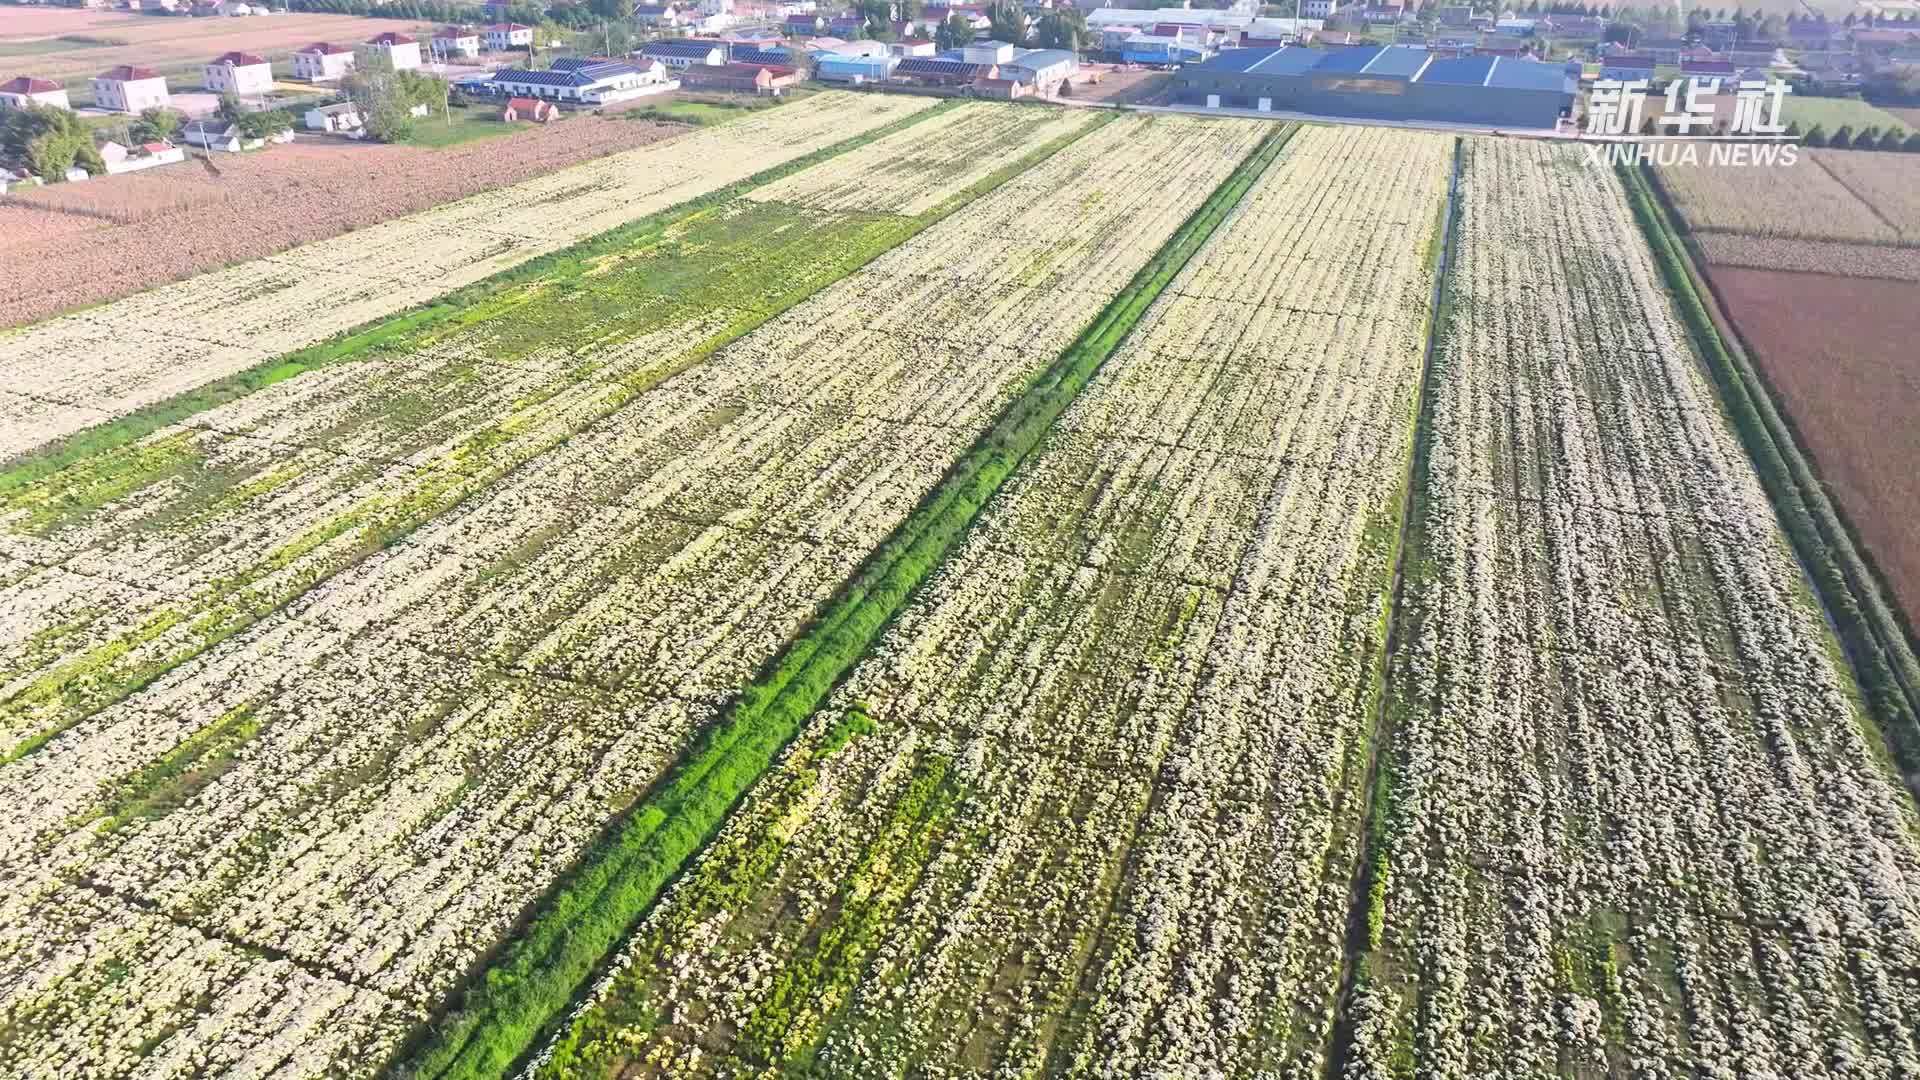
[[321, 62], [213, 134], [238, 73], [125, 159], [336, 119], [129, 89], [398, 51], [455, 42], [1627, 68], [596, 81], [502, 37], [666, 15], [738, 78], [24, 90]]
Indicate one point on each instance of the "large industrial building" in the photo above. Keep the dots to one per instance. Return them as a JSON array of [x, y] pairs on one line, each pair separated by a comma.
[[1390, 82]]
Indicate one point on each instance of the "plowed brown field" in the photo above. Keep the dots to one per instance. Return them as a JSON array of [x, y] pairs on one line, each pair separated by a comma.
[[1839, 353]]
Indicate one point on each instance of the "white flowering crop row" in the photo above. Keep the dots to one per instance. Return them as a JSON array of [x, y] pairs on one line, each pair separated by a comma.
[[383, 772], [1091, 806], [1634, 824], [71, 372], [910, 172]]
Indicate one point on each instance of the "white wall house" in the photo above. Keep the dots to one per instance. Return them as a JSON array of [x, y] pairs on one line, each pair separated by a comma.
[[130, 89], [399, 50], [452, 42], [504, 36], [24, 90], [683, 54], [335, 119], [321, 62], [125, 159], [238, 73]]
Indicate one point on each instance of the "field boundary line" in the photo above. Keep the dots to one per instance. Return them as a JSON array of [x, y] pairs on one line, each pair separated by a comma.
[[1874, 640], [1366, 896], [519, 1003], [449, 307]]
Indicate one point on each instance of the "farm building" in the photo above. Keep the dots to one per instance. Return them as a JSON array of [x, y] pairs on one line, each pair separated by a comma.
[[531, 109], [740, 78], [999, 89], [853, 70], [586, 82], [337, 118], [1384, 83], [911, 47], [1041, 70], [130, 89], [321, 62], [238, 73], [1627, 68], [936, 72], [685, 53], [763, 57], [24, 90], [668, 15], [397, 50], [1158, 49]]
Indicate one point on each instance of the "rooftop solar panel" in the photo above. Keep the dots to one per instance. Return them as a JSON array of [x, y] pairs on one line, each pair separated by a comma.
[[1290, 61], [1349, 61], [1466, 71], [1512, 74], [1394, 60], [1237, 59]]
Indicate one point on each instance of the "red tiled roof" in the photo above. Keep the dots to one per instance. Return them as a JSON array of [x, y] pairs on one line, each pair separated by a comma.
[[390, 38], [127, 73], [28, 84], [508, 27], [523, 104], [238, 59], [156, 147], [325, 49]]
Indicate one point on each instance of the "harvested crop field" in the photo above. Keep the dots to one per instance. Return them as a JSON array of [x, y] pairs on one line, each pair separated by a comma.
[[163, 342], [168, 44], [1840, 354], [935, 588], [1811, 256]]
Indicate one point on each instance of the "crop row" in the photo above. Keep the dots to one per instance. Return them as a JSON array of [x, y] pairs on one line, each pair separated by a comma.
[[1634, 818], [130, 353], [1089, 805], [373, 781]]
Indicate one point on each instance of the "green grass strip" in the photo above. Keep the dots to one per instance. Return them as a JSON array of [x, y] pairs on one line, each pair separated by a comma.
[[480, 299], [1870, 631], [522, 997]]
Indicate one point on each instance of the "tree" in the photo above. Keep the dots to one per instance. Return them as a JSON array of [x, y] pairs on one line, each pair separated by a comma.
[[1009, 22], [1912, 145], [953, 32], [50, 141], [1816, 136], [385, 99], [1842, 138], [1892, 140], [1062, 28], [156, 124], [260, 125]]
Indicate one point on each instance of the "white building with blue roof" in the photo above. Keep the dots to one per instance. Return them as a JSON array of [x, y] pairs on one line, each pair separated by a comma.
[[583, 81]]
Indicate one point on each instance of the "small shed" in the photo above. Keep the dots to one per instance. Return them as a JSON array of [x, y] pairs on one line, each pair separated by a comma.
[[532, 109]]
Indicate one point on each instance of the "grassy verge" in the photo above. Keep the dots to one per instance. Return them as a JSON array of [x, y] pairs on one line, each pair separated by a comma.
[[1869, 629], [459, 305], [521, 998]]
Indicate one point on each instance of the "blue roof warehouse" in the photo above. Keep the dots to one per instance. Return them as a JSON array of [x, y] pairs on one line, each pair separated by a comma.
[[1389, 82]]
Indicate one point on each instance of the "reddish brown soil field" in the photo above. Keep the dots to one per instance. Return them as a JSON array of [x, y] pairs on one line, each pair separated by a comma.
[[1841, 356], [169, 43], [179, 220]]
